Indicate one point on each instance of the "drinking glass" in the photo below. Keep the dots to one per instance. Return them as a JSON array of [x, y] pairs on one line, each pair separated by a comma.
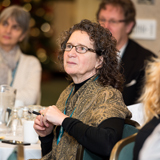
[[7, 100], [14, 123]]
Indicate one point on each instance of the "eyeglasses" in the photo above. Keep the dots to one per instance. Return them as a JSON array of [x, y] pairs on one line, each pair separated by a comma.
[[111, 21], [79, 48]]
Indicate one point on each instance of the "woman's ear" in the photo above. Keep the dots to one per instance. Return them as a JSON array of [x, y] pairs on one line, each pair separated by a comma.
[[99, 62]]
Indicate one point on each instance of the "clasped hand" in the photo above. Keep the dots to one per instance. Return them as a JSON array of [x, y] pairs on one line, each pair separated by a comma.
[[49, 117]]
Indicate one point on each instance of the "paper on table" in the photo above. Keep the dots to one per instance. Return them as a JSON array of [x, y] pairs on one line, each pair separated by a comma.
[[137, 113]]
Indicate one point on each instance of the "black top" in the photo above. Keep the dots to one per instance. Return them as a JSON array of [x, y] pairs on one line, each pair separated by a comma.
[[133, 63], [99, 140], [143, 134]]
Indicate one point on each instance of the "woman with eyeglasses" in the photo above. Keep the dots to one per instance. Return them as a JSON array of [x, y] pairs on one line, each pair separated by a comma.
[[90, 111]]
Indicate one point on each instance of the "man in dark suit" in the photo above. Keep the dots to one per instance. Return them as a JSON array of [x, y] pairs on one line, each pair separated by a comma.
[[119, 17]]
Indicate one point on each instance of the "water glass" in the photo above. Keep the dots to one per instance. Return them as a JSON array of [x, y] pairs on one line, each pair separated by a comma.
[[14, 124], [7, 100]]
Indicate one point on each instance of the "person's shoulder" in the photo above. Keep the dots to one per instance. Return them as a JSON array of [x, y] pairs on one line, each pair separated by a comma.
[[64, 94], [30, 61], [148, 127], [110, 90], [140, 49], [29, 58], [26, 56]]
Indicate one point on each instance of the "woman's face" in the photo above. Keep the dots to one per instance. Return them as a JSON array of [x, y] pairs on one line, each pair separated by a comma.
[[10, 34], [80, 66]]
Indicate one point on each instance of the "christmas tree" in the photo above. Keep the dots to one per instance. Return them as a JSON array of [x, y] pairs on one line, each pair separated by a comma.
[[40, 42]]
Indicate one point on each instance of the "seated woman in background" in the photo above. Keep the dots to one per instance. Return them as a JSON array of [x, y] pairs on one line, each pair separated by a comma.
[[151, 101], [20, 71], [90, 111], [151, 146]]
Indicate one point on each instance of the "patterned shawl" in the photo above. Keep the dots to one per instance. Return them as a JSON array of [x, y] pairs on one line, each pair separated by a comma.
[[94, 103]]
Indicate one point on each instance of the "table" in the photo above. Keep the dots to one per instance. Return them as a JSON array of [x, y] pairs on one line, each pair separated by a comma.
[[32, 151]]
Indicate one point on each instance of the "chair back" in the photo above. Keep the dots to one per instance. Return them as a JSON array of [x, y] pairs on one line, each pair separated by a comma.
[[128, 130], [123, 149], [87, 155]]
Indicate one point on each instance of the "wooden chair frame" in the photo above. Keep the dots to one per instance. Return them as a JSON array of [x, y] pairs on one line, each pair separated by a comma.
[[119, 146], [20, 152]]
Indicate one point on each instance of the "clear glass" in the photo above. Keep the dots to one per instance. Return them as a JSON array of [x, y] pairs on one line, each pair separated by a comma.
[[14, 124], [25, 115], [7, 100]]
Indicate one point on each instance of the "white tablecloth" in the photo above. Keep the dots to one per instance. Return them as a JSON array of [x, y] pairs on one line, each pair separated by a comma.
[[32, 151]]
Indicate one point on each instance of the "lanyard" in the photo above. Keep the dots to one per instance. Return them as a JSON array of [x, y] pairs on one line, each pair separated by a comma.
[[13, 74], [61, 129]]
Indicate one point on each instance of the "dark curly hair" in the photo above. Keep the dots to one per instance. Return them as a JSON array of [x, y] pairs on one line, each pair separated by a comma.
[[105, 45], [127, 7]]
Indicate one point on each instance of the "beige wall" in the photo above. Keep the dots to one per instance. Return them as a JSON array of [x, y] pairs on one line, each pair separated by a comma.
[[69, 12], [66, 13], [150, 12], [64, 16], [86, 9]]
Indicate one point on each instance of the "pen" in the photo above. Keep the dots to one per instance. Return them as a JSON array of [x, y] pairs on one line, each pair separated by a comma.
[[33, 112]]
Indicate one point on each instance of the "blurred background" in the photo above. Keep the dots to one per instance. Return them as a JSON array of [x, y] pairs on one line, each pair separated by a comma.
[[50, 17]]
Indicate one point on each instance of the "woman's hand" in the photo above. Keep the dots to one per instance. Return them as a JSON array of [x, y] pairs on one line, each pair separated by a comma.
[[53, 115], [40, 128]]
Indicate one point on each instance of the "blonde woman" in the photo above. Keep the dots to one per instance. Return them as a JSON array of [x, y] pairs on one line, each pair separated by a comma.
[[151, 99]]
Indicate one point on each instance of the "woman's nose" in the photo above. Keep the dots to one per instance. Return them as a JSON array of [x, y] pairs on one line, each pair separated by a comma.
[[72, 52], [8, 29]]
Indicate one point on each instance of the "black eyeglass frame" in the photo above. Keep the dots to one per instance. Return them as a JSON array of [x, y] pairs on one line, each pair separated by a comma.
[[86, 48], [115, 21]]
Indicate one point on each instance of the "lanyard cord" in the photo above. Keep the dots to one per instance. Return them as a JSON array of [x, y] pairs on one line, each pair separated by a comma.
[[13, 74], [61, 129], [67, 101]]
